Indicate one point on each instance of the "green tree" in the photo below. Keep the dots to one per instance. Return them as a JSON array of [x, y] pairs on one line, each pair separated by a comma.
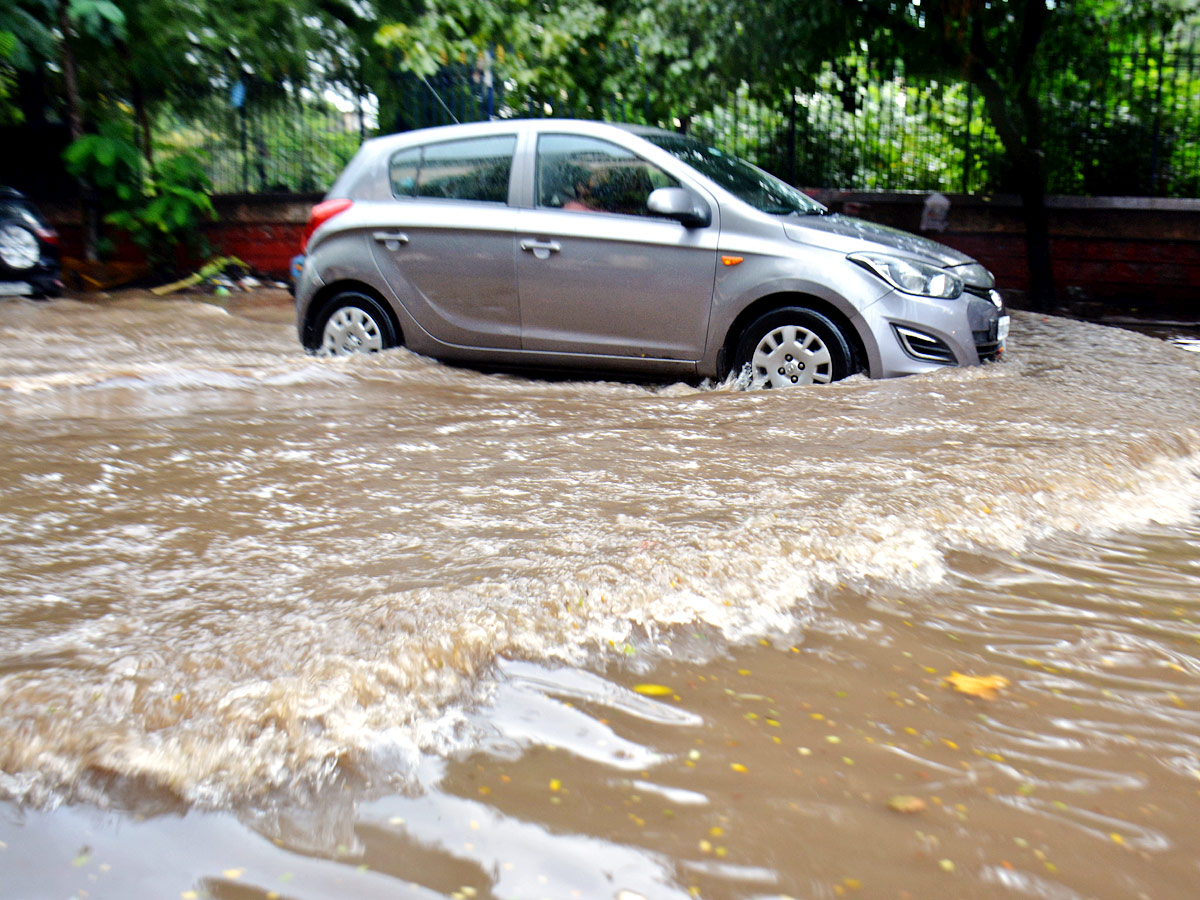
[[1003, 47], [538, 47], [25, 37]]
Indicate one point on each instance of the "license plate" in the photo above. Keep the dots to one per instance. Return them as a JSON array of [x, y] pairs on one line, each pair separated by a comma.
[[1002, 328], [15, 288]]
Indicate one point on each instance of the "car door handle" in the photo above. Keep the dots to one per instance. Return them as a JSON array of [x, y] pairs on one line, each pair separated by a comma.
[[392, 239], [541, 249]]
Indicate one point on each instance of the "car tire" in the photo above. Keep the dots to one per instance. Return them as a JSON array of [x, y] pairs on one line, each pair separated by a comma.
[[19, 247], [353, 322], [791, 347]]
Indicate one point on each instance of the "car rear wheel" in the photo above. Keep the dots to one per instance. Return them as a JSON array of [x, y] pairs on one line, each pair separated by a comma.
[[354, 323], [791, 347], [18, 246]]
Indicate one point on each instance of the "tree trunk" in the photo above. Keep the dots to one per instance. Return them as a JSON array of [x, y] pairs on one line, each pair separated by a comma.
[[145, 134], [91, 224], [1037, 238], [70, 72], [1019, 126], [1032, 175]]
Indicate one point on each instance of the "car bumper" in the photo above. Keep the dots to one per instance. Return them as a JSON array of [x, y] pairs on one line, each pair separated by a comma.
[[920, 334]]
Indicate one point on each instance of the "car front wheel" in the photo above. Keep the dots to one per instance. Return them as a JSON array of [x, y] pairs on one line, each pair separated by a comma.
[[791, 347], [354, 323]]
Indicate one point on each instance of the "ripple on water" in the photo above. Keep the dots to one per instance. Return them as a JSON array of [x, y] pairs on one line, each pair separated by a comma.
[[273, 571]]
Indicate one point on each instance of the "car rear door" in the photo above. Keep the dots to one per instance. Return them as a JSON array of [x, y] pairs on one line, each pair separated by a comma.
[[598, 273], [446, 247]]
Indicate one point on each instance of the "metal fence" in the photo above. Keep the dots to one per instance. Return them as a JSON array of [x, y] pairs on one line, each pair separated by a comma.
[[1125, 125], [284, 142], [1131, 130]]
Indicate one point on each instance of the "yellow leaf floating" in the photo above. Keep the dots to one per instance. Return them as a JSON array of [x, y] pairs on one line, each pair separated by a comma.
[[982, 686], [653, 690], [906, 803]]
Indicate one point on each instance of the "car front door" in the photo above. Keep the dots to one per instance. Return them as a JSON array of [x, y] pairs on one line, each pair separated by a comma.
[[446, 248], [598, 273]]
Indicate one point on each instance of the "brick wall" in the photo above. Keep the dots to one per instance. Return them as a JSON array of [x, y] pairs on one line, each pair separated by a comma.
[[263, 230], [1127, 251]]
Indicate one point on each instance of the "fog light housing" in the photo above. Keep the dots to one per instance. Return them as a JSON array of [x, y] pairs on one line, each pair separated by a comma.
[[924, 347]]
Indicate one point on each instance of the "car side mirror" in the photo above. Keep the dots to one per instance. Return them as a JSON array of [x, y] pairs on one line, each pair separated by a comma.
[[679, 204]]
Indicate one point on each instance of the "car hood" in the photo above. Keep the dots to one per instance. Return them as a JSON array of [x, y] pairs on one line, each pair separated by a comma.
[[848, 234]]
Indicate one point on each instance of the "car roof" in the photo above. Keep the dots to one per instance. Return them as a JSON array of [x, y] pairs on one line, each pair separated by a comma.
[[506, 126]]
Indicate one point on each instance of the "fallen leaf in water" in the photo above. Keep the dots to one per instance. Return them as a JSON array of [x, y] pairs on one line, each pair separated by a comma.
[[906, 803], [982, 686], [653, 690]]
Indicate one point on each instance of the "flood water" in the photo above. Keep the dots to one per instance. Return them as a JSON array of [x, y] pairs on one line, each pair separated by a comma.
[[275, 626]]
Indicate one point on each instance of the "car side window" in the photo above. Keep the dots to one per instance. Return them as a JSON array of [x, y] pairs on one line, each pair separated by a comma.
[[586, 174], [472, 169], [403, 169]]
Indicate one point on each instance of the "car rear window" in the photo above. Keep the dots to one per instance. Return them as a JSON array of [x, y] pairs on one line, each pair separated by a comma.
[[472, 169]]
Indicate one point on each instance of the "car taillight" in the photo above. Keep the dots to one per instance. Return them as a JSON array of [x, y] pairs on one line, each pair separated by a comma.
[[47, 234], [322, 213]]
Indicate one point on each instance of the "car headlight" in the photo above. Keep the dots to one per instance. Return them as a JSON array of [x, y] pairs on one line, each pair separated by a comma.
[[910, 276]]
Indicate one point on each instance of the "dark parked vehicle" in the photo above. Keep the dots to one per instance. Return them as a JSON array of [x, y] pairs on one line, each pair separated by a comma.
[[29, 254], [597, 247]]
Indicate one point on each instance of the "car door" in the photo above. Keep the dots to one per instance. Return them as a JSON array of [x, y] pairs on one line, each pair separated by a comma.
[[446, 247], [599, 274]]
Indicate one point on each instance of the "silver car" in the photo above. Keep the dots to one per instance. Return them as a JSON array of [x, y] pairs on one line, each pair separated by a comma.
[[624, 250]]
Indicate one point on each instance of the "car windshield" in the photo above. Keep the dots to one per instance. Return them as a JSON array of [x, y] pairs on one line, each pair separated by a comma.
[[748, 183]]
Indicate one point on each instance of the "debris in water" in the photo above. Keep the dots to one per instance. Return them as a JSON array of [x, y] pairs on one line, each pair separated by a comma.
[[654, 690], [907, 804], [983, 686]]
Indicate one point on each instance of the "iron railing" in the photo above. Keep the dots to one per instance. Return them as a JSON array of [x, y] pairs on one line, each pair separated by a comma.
[[1128, 124]]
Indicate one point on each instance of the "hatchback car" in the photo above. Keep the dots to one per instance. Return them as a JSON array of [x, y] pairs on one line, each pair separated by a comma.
[[624, 250], [29, 253]]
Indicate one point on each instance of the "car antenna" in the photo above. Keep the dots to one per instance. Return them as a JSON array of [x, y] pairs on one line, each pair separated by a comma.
[[440, 100]]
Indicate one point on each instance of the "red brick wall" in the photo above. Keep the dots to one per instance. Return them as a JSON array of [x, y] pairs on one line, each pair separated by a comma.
[[1125, 250], [1133, 251], [263, 231]]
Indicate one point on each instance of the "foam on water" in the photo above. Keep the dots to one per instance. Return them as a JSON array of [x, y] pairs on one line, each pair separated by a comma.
[[267, 574]]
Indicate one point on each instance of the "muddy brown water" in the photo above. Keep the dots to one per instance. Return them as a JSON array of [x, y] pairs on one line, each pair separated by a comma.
[[275, 626]]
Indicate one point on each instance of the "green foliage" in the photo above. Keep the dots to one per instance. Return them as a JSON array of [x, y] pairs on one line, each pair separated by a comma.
[[536, 44], [170, 212], [101, 20], [811, 77], [159, 210], [28, 23], [108, 162], [9, 113]]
